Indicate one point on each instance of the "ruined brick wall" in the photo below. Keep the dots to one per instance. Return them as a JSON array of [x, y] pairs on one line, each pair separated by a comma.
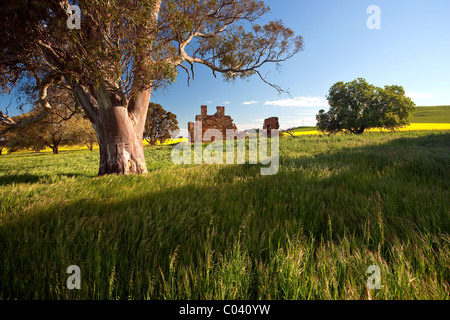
[[218, 121], [271, 124], [191, 127]]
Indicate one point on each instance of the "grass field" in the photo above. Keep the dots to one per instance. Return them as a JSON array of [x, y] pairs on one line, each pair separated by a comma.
[[338, 205]]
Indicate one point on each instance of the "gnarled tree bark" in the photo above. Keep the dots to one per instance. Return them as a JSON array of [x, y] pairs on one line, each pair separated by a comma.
[[119, 129]]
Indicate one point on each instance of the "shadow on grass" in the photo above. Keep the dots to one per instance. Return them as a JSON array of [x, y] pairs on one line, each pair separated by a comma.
[[25, 178], [18, 178]]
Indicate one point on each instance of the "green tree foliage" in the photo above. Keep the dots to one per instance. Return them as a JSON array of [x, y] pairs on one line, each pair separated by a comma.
[[82, 133], [160, 124], [30, 137], [62, 124], [357, 106], [51, 132]]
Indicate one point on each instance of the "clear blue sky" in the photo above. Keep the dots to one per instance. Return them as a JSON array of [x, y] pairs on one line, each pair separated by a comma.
[[411, 49]]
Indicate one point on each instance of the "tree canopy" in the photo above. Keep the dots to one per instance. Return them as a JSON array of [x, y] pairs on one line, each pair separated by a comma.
[[160, 124], [54, 130], [357, 106]]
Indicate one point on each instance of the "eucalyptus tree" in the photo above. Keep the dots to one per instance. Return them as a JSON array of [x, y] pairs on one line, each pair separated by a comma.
[[125, 49]]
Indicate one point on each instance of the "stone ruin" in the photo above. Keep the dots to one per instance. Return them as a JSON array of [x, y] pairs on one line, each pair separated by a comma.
[[271, 124], [216, 121]]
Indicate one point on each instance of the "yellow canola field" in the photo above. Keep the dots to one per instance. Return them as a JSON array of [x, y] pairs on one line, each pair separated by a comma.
[[167, 142], [411, 127]]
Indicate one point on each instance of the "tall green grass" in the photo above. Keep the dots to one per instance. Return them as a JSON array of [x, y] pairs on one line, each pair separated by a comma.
[[338, 205]]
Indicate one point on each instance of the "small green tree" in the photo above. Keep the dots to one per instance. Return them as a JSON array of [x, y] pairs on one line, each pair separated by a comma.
[[59, 127], [50, 132], [81, 132], [357, 106], [27, 138], [159, 124]]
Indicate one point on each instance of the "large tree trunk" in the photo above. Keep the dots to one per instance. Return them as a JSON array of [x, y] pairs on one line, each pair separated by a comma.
[[119, 128], [120, 142]]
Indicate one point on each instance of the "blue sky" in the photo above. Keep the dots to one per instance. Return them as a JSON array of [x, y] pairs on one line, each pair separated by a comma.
[[411, 49]]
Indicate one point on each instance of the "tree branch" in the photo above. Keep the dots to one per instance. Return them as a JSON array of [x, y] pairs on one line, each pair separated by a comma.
[[48, 80], [187, 72]]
